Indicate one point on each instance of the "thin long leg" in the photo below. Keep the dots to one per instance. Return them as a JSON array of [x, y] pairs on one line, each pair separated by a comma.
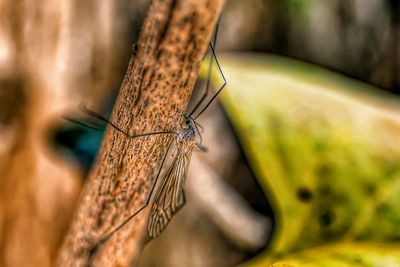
[[116, 229], [219, 90], [87, 125], [206, 92], [99, 117]]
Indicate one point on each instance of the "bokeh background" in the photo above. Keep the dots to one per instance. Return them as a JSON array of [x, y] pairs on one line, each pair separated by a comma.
[[55, 55]]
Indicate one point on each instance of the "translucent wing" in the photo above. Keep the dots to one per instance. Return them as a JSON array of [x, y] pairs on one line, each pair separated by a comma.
[[170, 196]]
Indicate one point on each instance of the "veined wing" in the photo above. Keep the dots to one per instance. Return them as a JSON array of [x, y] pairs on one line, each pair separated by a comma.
[[170, 196]]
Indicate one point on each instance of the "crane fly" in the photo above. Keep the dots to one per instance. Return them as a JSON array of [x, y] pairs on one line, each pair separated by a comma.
[[170, 195]]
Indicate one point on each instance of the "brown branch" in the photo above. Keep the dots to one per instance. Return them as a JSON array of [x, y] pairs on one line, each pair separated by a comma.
[[153, 97]]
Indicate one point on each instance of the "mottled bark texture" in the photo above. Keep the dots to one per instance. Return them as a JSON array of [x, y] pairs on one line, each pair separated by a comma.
[[153, 97]]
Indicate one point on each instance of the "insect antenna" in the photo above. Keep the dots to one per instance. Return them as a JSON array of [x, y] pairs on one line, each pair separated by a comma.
[[197, 129], [199, 125]]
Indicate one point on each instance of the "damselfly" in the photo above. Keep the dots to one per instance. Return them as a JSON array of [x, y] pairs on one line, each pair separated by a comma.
[[170, 196]]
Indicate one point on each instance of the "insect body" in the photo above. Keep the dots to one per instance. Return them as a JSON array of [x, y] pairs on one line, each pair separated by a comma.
[[188, 132], [170, 196]]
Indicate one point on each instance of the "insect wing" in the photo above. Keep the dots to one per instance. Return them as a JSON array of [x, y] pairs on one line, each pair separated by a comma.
[[170, 196]]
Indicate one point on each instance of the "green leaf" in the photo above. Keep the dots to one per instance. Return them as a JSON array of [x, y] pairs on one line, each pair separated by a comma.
[[345, 255], [324, 147]]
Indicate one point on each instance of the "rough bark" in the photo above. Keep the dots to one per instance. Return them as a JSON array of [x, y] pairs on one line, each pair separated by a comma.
[[153, 97]]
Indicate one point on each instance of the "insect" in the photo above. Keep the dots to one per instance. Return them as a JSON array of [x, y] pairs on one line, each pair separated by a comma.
[[170, 196]]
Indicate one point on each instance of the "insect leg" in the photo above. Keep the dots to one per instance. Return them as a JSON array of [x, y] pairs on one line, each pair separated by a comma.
[[87, 125], [101, 118], [220, 89], [116, 229], [205, 94]]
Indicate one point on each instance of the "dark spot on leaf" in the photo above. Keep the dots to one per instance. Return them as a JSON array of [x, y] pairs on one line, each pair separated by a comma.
[[370, 189], [357, 259], [304, 194], [326, 218]]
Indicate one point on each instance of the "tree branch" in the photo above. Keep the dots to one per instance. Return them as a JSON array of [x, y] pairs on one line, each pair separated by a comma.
[[153, 97]]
